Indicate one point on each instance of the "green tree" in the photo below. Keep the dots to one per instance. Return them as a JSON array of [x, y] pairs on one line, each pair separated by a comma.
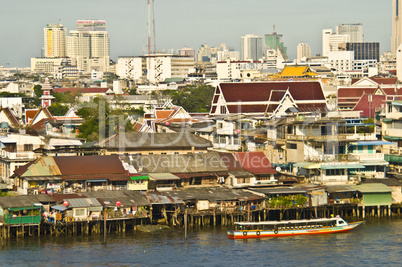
[[58, 109], [193, 98], [38, 93]]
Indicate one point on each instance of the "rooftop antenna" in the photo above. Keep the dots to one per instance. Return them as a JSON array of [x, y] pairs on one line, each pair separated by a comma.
[[153, 24]]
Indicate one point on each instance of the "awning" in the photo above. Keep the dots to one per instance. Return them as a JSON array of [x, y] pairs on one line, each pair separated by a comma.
[[374, 162], [371, 143], [312, 166], [141, 177], [59, 207], [393, 138], [97, 181], [301, 164], [343, 166]]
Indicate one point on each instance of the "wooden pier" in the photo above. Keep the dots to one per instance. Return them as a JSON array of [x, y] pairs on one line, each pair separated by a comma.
[[196, 219]]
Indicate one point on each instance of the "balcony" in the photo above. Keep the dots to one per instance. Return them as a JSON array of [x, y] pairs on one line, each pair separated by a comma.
[[18, 155]]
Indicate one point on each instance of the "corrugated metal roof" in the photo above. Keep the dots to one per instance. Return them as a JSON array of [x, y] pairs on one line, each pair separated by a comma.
[[24, 201], [214, 194], [372, 188], [163, 176], [126, 198], [158, 198], [83, 202], [280, 190]]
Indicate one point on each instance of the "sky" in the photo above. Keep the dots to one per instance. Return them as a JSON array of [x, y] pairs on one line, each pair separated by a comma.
[[190, 23]]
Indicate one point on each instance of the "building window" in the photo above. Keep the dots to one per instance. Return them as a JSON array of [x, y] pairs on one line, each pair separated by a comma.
[[79, 212], [28, 147]]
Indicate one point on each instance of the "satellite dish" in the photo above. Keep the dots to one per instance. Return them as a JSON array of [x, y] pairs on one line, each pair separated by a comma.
[[278, 169]]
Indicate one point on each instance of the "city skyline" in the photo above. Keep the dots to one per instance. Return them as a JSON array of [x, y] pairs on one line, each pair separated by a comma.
[[188, 23]]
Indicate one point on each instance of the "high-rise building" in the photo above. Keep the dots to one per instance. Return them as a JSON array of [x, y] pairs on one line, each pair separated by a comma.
[[364, 51], [274, 41], [89, 44], [325, 41], [303, 51], [355, 32], [55, 41], [396, 38], [251, 47]]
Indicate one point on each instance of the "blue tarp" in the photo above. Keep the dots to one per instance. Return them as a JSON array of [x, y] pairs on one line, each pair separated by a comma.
[[372, 143]]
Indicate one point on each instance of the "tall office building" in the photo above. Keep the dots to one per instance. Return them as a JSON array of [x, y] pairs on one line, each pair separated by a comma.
[[303, 51], [355, 32], [89, 44], [365, 50], [396, 38], [251, 47], [274, 41], [55, 41]]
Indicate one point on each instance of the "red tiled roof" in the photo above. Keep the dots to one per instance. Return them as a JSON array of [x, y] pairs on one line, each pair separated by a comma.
[[10, 115], [163, 114], [350, 92], [369, 108], [40, 125], [255, 162], [381, 80], [30, 114], [312, 107], [305, 90]]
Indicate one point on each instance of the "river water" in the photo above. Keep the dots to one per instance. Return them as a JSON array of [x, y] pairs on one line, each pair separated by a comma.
[[373, 243]]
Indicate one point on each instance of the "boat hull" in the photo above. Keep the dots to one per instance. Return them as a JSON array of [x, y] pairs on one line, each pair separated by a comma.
[[282, 233]]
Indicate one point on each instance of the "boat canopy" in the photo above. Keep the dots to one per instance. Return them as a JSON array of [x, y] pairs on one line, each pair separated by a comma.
[[288, 222]]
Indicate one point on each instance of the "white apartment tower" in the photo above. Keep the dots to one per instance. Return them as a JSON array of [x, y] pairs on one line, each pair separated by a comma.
[[251, 47], [396, 38], [355, 32], [303, 51], [55, 41], [89, 44]]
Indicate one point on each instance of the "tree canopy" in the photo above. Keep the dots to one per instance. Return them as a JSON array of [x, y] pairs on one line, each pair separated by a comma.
[[193, 98], [102, 122]]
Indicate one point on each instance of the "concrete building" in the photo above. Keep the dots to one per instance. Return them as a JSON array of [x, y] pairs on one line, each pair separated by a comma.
[[331, 41], [155, 68], [274, 41], [45, 65], [396, 38], [303, 51], [341, 60], [251, 47], [355, 31], [89, 45], [55, 41], [187, 52], [399, 63]]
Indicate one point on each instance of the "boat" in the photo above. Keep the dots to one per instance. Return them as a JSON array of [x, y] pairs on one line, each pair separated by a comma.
[[245, 230]]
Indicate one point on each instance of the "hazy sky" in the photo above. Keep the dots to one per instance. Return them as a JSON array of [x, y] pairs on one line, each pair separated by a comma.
[[189, 23]]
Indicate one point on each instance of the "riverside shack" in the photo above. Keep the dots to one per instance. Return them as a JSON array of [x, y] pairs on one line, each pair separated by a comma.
[[24, 210]]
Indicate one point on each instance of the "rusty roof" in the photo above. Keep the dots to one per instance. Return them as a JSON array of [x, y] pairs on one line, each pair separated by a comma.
[[214, 194], [89, 165]]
